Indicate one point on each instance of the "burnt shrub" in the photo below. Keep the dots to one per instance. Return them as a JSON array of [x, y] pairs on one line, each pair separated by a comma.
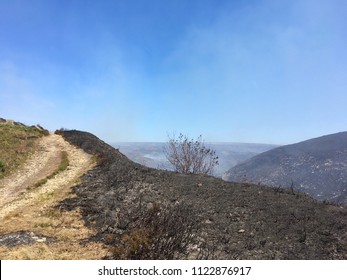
[[190, 156], [160, 232]]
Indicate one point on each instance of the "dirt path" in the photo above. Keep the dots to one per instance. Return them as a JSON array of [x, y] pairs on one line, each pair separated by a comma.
[[14, 191]]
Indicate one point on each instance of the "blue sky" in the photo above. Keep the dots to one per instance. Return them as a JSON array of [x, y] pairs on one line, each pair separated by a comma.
[[134, 70]]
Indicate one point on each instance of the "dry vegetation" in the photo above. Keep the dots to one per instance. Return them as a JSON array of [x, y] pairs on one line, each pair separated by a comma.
[[40, 230], [16, 144], [158, 232], [64, 163], [65, 230]]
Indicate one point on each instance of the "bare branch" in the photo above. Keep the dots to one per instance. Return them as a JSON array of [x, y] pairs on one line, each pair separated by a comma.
[[190, 156]]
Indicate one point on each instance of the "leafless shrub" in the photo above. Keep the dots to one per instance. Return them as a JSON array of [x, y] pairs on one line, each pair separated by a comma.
[[158, 233], [190, 156]]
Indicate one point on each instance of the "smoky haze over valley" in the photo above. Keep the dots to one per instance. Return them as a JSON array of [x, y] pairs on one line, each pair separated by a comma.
[[316, 166], [152, 154]]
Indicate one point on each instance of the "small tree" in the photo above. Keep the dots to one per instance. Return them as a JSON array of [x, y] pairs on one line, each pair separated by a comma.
[[190, 156]]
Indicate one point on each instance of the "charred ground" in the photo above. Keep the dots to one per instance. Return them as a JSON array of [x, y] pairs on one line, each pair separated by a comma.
[[147, 213], [316, 166]]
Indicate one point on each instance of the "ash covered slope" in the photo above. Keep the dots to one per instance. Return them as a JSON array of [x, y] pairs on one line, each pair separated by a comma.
[[234, 221], [317, 166]]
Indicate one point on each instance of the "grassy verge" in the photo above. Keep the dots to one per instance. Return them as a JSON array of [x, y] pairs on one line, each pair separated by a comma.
[[16, 144]]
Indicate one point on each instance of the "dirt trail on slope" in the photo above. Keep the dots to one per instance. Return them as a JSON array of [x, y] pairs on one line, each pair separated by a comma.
[[14, 191]]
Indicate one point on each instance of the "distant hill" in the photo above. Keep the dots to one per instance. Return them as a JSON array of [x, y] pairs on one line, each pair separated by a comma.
[[151, 154], [317, 166]]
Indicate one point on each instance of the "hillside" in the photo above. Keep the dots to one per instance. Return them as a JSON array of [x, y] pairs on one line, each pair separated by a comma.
[[317, 166], [39, 173], [136, 207], [17, 141], [229, 154], [120, 209]]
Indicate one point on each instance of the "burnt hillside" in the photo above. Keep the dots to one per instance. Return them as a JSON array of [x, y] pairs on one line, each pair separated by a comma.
[[316, 166], [128, 205]]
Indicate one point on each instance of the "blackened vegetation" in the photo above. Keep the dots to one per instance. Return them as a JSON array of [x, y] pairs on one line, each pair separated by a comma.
[[144, 213], [23, 237], [317, 167], [156, 233]]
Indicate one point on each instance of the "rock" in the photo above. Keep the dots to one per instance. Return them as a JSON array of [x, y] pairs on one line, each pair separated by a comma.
[[19, 124], [41, 240], [39, 127]]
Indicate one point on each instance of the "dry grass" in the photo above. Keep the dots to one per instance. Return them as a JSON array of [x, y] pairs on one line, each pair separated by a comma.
[[64, 163], [57, 251], [43, 218], [16, 143]]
